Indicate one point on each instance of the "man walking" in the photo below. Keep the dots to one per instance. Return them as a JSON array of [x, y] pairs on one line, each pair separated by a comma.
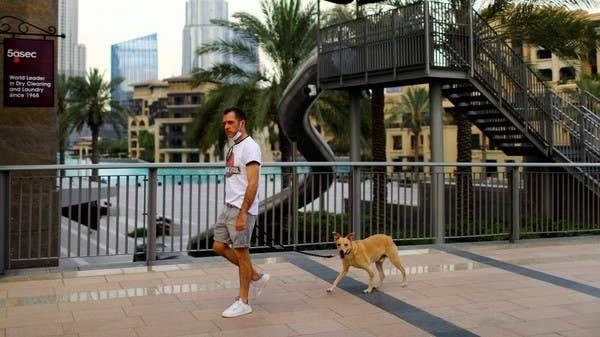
[[234, 226]]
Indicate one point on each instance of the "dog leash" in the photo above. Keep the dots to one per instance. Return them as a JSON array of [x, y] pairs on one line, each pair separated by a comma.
[[272, 241]]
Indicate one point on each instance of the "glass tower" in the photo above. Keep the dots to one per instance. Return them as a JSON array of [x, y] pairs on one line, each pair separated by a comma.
[[135, 61], [199, 30]]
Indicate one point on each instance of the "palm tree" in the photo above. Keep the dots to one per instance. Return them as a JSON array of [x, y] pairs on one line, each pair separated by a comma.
[[286, 35], [62, 94], [413, 109], [93, 106]]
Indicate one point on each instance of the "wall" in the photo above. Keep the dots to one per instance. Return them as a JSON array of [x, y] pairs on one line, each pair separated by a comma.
[[28, 137]]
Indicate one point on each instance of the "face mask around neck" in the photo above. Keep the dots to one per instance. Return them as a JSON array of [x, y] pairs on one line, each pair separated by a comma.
[[237, 135]]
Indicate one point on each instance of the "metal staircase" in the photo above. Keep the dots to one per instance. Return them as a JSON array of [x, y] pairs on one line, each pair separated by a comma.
[[432, 41], [507, 101]]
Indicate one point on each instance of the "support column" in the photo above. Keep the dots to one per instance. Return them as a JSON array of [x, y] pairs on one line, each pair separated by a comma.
[[437, 155], [355, 218], [4, 185]]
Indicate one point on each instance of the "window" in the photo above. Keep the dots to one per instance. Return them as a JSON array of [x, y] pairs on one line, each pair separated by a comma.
[[397, 141], [567, 73], [491, 171], [413, 142], [545, 74], [475, 142], [544, 54]]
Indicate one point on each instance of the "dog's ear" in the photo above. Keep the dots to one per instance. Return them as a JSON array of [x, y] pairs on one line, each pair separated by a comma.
[[350, 236], [336, 236]]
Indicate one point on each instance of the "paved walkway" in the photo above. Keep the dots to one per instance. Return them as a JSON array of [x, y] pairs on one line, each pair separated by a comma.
[[533, 288]]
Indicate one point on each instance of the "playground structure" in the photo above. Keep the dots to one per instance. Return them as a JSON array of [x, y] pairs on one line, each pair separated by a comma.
[[463, 60]]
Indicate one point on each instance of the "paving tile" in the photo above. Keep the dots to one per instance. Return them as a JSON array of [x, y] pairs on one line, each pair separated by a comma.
[[541, 313], [30, 292], [368, 320], [24, 319], [168, 318], [302, 316], [543, 301], [95, 304], [586, 321], [441, 301], [580, 333], [196, 328], [252, 320], [44, 283], [286, 306], [154, 299], [538, 327], [262, 331], [91, 287], [397, 330], [316, 326], [492, 331], [488, 306], [149, 283], [31, 309], [135, 276], [127, 332], [485, 319], [98, 314], [157, 308], [73, 281], [35, 331], [584, 308], [99, 325]]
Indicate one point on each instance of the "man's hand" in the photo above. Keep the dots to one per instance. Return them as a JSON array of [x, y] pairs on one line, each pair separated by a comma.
[[240, 223]]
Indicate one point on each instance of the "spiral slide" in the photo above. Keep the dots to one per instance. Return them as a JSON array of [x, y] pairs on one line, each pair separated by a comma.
[[294, 119]]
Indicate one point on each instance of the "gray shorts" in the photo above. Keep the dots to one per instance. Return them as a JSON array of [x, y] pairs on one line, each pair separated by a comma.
[[225, 228]]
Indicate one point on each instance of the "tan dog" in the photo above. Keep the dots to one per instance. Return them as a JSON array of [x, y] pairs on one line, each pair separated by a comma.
[[361, 253]]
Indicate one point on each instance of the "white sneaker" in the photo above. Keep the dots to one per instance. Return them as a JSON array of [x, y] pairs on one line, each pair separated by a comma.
[[256, 287], [238, 308]]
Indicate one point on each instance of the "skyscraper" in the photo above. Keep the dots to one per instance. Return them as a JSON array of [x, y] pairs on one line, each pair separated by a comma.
[[71, 54], [198, 30], [135, 60]]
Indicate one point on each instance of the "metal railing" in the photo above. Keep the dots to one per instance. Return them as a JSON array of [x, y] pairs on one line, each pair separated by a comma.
[[170, 208], [428, 36]]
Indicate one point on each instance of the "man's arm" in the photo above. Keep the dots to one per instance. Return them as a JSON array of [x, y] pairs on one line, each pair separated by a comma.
[[252, 170]]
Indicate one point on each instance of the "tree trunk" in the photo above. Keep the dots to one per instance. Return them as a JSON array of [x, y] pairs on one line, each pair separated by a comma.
[[379, 192], [61, 155], [286, 154], [464, 186], [95, 152]]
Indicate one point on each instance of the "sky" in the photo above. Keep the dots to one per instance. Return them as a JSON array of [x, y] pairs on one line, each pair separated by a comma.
[[106, 22]]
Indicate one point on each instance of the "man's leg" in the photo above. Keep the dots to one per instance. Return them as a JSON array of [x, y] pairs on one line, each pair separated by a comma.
[[230, 254], [246, 271]]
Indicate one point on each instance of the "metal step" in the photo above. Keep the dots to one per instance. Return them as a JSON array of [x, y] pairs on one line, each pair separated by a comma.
[[470, 108]]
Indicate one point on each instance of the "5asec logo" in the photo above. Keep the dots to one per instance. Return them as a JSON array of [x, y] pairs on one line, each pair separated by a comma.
[[17, 55]]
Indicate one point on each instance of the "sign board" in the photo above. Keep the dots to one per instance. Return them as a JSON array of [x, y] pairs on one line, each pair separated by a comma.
[[28, 73]]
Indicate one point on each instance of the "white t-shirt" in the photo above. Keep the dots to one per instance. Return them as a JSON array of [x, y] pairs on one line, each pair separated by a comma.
[[236, 176]]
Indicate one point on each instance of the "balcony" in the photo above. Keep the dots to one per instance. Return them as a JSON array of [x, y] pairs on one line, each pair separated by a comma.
[[423, 40]]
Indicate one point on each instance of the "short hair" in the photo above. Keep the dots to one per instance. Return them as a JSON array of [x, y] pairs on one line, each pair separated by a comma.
[[239, 114]]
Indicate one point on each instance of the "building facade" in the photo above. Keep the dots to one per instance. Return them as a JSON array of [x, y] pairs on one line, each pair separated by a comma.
[[162, 111], [71, 54], [134, 61], [559, 72], [199, 30]]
